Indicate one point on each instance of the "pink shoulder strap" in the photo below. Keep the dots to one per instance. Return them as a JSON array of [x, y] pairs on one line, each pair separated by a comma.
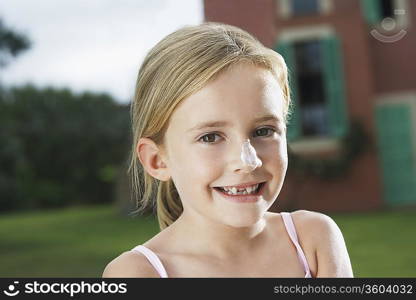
[[291, 230], [153, 259]]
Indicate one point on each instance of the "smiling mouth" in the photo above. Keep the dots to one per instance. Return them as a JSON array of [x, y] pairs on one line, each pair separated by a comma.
[[260, 185], [242, 195]]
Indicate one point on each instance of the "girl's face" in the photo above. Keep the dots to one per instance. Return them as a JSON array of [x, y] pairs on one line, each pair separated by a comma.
[[200, 159]]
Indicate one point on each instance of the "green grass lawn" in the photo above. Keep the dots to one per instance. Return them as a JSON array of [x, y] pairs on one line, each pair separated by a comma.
[[79, 242], [74, 242], [381, 244]]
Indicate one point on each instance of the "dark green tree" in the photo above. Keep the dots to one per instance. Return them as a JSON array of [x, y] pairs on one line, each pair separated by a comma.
[[58, 148], [12, 43]]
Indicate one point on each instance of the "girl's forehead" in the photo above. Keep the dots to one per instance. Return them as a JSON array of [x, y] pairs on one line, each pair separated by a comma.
[[210, 112], [241, 94], [240, 87]]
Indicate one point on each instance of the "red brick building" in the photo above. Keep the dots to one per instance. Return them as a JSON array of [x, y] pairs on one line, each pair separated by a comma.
[[349, 61]]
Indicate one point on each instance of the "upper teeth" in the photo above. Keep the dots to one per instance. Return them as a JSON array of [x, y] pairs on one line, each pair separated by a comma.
[[246, 190]]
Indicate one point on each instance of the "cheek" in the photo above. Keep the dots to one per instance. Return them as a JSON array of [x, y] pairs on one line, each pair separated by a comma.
[[208, 162], [283, 152], [276, 154], [198, 164]]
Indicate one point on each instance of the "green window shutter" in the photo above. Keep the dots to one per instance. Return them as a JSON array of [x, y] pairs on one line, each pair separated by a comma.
[[371, 10], [395, 147], [293, 127], [334, 86]]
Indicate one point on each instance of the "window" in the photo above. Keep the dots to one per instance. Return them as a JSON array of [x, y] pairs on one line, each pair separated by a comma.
[[386, 9], [316, 78], [375, 11], [311, 95], [304, 7], [293, 8]]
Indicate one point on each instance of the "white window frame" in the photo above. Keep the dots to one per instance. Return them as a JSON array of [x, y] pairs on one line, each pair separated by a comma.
[[303, 33]]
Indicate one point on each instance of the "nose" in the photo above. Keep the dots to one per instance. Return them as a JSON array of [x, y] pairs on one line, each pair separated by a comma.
[[248, 157]]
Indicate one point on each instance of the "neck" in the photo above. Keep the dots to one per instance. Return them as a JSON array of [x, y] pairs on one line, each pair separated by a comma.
[[217, 239]]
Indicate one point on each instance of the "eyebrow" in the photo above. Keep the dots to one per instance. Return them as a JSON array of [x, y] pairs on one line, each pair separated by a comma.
[[217, 124]]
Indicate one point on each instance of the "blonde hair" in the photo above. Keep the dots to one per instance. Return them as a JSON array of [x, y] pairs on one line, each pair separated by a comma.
[[178, 66]]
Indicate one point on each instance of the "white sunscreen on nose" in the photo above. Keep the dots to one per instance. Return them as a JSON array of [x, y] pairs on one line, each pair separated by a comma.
[[249, 155]]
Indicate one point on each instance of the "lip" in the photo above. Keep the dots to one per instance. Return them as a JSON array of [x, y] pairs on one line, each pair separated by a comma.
[[243, 198]]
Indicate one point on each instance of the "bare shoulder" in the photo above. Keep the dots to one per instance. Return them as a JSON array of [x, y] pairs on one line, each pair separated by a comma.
[[322, 232], [309, 219], [129, 264], [313, 226]]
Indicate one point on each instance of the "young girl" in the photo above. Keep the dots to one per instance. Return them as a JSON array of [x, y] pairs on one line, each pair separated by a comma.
[[209, 150]]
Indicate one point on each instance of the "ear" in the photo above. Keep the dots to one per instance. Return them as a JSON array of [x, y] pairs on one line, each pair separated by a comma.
[[152, 159]]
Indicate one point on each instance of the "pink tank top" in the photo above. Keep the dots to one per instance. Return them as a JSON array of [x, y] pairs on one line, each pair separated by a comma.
[[290, 228]]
